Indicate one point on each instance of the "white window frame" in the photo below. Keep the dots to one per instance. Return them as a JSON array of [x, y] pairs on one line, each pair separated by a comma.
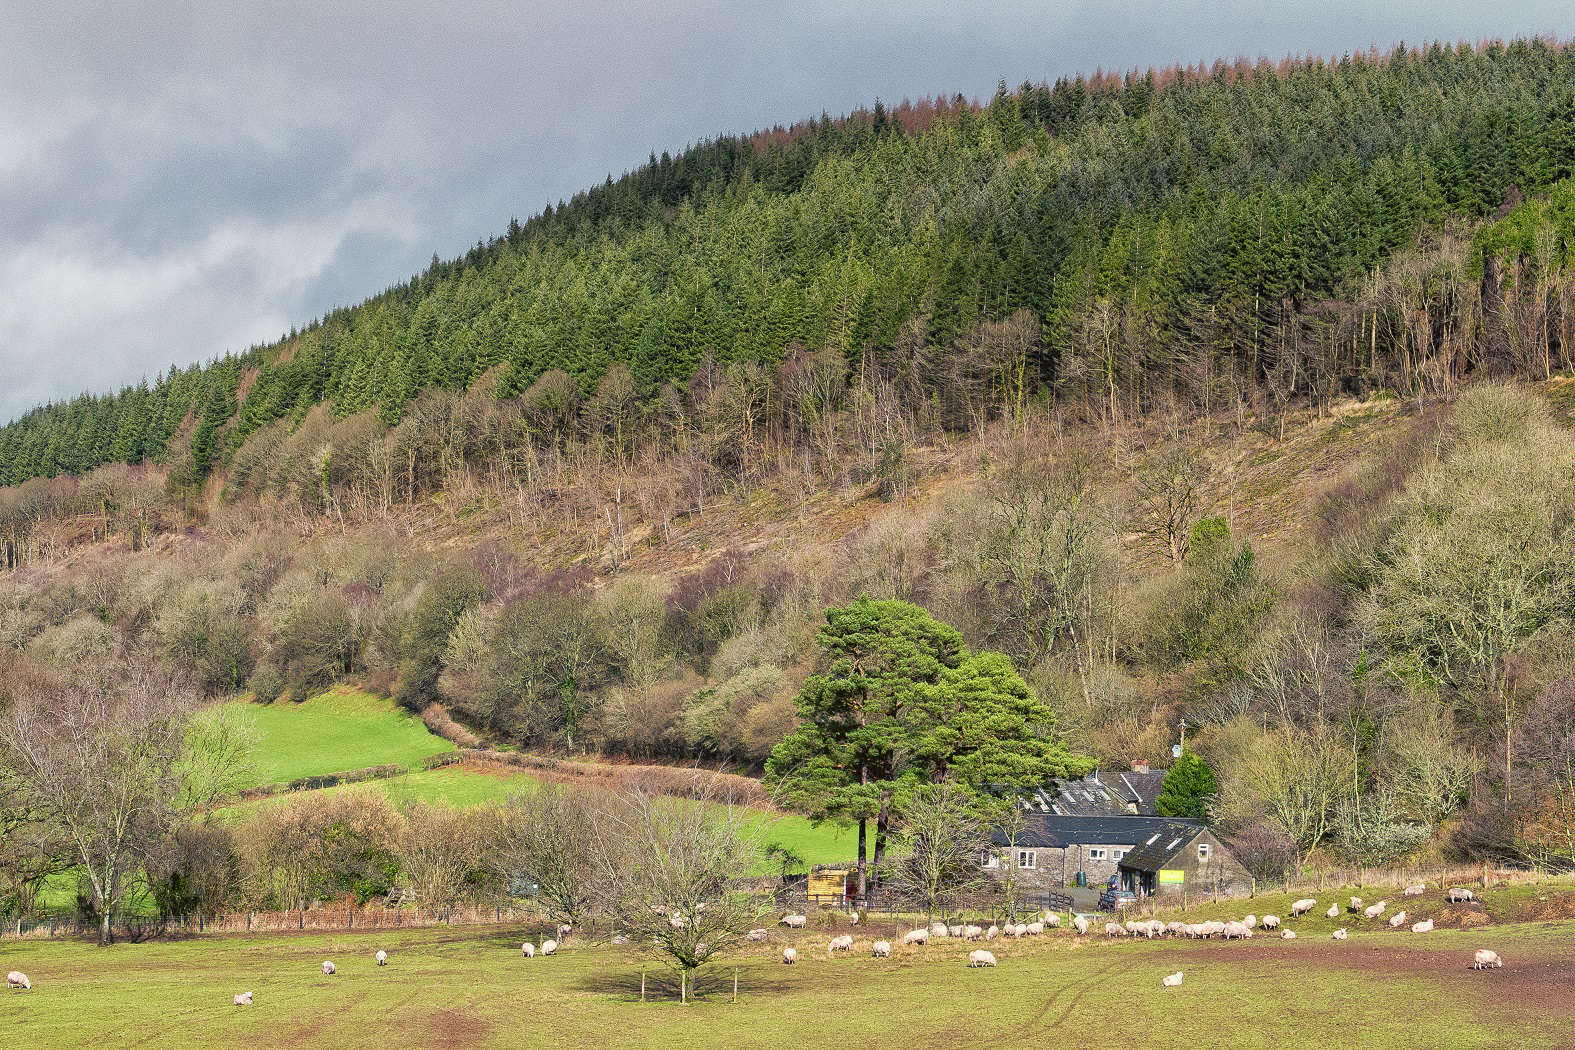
[[1027, 858], [990, 859], [1203, 852], [1096, 853], [1117, 854]]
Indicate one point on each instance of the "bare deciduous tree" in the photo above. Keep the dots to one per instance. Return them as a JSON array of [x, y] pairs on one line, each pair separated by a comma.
[[946, 837], [546, 836]]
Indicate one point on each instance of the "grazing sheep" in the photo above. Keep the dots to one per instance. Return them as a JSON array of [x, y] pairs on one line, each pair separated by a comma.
[[840, 944], [1034, 929], [918, 936], [381, 958], [1338, 935], [1052, 920], [1333, 912], [1080, 924], [789, 956], [1133, 928], [756, 936], [1270, 922], [1235, 930], [1356, 905], [980, 957], [940, 929], [992, 933], [528, 950], [564, 929], [18, 979], [1397, 920], [881, 949], [1288, 935], [1425, 926], [328, 968], [244, 999], [1113, 929], [1486, 958], [1251, 921], [1373, 911], [794, 922], [972, 933], [1020, 930], [853, 918], [1171, 981], [548, 947], [1302, 907], [1156, 928], [1212, 928], [1416, 890], [954, 931], [1459, 895], [1173, 928]]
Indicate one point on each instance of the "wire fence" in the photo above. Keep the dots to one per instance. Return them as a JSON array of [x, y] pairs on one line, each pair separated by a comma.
[[137, 927]]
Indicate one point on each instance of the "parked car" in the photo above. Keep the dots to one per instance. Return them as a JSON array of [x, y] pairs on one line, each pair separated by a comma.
[[1114, 899]]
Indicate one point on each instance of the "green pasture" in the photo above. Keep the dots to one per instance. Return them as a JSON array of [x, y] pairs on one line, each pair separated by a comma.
[[469, 987]]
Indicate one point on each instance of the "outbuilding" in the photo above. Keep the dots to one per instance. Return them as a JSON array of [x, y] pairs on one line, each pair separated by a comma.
[[1179, 857], [1051, 849]]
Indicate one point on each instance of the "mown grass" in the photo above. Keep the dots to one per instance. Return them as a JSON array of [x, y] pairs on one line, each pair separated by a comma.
[[469, 987], [333, 732]]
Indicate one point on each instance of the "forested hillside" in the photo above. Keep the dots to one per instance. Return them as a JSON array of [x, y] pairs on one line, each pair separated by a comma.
[[1167, 235], [1240, 398]]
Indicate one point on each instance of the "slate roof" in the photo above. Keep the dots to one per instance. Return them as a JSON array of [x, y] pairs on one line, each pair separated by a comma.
[[1100, 794], [1054, 830], [1168, 841]]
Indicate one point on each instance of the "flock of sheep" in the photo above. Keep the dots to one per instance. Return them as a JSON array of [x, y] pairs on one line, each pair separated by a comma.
[[1150, 928], [1225, 930]]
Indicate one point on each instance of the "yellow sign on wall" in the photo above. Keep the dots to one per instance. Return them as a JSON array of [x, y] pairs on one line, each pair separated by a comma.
[[1172, 875]]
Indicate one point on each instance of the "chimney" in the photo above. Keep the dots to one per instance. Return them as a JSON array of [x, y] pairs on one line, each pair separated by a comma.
[[1140, 767]]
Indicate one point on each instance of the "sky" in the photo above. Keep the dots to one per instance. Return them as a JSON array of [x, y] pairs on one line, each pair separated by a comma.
[[181, 179]]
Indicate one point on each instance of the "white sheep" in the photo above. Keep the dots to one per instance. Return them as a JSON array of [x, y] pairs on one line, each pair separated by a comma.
[[548, 947], [1235, 930], [1052, 920], [528, 950], [853, 918], [1333, 912], [1080, 924], [381, 958], [972, 933], [1156, 928], [756, 936], [1425, 926], [1172, 929], [992, 933], [980, 957], [840, 944], [794, 922], [955, 931], [1270, 922], [939, 929], [564, 929], [1416, 889], [1486, 958], [1397, 920], [1338, 935], [1373, 911], [328, 968], [1172, 980], [789, 956], [1356, 905], [244, 999], [1034, 929], [1133, 928], [918, 936], [881, 949], [1302, 907], [1459, 894], [1288, 935], [1250, 921], [1113, 929], [18, 979]]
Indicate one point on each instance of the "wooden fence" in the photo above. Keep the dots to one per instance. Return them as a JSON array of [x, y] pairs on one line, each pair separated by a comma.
[[334, 918]]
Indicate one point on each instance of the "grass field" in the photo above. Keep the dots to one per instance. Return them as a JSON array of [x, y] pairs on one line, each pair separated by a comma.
[[336, 731], [470, 988]]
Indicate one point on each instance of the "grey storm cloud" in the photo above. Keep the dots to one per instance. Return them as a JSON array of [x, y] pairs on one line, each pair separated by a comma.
[[181, 179]]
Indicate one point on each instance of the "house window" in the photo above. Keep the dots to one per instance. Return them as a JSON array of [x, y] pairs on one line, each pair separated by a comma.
[[1027, 858], [1203, 852], [1117, 854], [989, 859], [1096, 854]]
